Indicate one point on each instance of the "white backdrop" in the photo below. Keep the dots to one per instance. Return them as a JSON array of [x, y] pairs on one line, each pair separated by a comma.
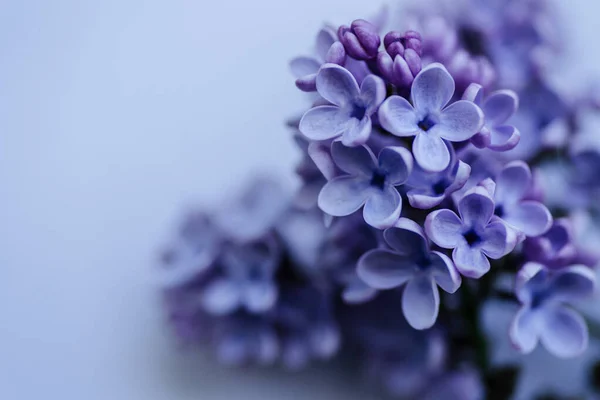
[[114, 115]]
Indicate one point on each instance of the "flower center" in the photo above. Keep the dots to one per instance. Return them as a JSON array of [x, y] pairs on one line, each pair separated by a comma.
[[378, 179], [440, 187], [358, 112], [426, 123], [538, 298], [472, 237], [473, 41], [499, 210]]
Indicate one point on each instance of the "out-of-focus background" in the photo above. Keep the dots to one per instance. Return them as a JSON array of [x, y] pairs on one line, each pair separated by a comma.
[[114, 117]]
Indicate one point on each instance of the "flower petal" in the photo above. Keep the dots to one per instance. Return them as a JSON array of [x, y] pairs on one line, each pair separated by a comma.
[[407, 238], [474, 92], [383, 208], [476, 207], [444, 228], [500, 106], [372, 93], [565, 333], [512, 183], [320, 154], [421, 302], [423, 201], [525, 330], [358, 132], [397, 163], [357, 161], [504, 138], [302, 66], [470, 261], [260, 296], [432, 88], [397, 116], [343, 195], [337, 85], [459, 122], [384, 269], [323, 122], [462, 175], [431, 152], [221, 297], [325, 38], [574, 283], [530, 217], [358, 292], [497, 241], [444, 272]]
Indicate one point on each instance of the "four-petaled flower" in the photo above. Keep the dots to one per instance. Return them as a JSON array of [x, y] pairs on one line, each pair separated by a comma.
[[370, 182], [430, 121], [544, 317], [429, 189], [475, 235], [497, 108], [247, 280], [527, 217], [349, 114], [411, 262], [555, 248]]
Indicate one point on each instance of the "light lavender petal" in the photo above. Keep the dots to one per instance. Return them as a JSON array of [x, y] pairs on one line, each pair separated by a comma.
[[444, 228], [337, 85], [432, 88], [383, 208], [357, 161], [421, 302], [471, 262], [500, 106], [384, 269], [530, 217], [565, 333], [397, 162], [459, 122], [397, 116], [431, 153], [323, 123], [343, 195]]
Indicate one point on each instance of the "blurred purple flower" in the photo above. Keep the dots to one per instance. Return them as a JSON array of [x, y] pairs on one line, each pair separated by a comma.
[[474, 235], [555, 248], [527, 217], [349, 116], [411, 263], [430, 121], [498, 108], [544, 317], [369, 181], [247, 280]]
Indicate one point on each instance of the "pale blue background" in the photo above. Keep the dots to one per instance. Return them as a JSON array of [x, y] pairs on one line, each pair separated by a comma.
[[113, 116]]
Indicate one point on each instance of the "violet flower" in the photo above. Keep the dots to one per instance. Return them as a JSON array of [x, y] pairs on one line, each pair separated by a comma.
[[527, 217], [192, 254], [498, 108], [430, 121], [327, 49], [247, 281], [369, 181], [555, 248], [411, 263], [474, 234], [361, 40], [349, 116], [401, 61], [544, 316], [428, 190]]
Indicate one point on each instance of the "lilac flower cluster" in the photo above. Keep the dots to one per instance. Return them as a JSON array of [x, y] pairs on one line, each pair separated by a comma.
[[441, 171]]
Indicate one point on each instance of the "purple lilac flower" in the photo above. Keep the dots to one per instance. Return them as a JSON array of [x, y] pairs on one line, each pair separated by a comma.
[[428, 190], [349, 116], [474, 234], [555, 248], [193, 253], [401, 60], [369, 181], [530, 218], [245, 339], [247, 281], [544, 317], [312, 177], [498, 108], [253, 215], [361, 40], [430, 121], [413, 264], [328, 49]]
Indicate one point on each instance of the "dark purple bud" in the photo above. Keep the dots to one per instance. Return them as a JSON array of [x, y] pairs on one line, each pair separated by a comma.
[[336, 54], [396, 71], [413, 60], [396, 43], [361, 40]]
